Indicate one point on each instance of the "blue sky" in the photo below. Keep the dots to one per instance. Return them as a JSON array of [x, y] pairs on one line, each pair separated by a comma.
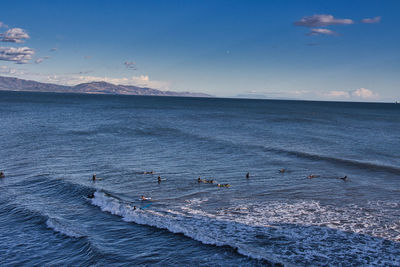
[[328, 50]]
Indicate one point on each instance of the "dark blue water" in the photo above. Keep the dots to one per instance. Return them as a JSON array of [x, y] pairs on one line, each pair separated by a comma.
[[51, 144]]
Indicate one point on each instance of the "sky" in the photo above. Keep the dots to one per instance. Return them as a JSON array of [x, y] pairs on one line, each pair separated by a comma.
[[315, 50]]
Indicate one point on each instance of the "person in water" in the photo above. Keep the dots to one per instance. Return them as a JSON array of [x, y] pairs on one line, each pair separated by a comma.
[[91, 195], [145, 198], [344, 178], [247, 175], [159, 179], [224, 185], [282, 170], [2, 175], [94, 177], [152, 172], [313, 176], [199, 180]]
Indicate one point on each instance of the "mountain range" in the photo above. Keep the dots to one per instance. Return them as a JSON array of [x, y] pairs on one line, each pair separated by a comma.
[[16, 84]]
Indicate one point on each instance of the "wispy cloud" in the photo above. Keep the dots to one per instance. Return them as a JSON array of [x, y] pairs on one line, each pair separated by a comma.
[[2, 25], [130, 65], [85, 72], [14, 35], [54, 49], [335, 94], [360, 94], [87, 57], [371, 20], [321, 20], [10, 71], [82, 77], [41, 59], [141, 81], [20, 55], [321, 31]]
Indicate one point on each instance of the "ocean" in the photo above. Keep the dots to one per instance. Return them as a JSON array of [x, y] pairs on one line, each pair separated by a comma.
[[52, 144]]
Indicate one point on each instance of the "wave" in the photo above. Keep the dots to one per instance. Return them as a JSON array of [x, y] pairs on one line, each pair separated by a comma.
[[342, 161], [19, 205], [276, 241], [57, 187], [64, 227], [24, 214], [305, 155], [168, 221], [172, 132]]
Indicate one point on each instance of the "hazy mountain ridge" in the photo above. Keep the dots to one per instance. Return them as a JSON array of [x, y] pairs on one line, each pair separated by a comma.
[[16, 84]]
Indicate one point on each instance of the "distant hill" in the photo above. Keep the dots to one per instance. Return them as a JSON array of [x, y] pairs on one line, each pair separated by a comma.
[[15, 84]]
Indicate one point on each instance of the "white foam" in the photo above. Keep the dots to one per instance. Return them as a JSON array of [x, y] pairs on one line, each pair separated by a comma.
[[375, 219], [296, 233], [63, 228]]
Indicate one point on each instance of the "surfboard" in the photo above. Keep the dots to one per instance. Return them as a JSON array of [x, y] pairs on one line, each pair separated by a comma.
[[144, 207]]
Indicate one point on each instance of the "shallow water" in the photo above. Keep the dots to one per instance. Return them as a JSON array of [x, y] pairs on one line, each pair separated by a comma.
[[51, 144]]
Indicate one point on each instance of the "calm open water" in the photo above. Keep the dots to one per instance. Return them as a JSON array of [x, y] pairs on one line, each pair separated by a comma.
[[51, 144]]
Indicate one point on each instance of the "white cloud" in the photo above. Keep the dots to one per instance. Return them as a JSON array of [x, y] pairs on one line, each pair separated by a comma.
[[364, 94], [371, 20], [320, 20], [354, 95], [130, 65], [20, 55], [320, 31], [361, 94], [14, 35]]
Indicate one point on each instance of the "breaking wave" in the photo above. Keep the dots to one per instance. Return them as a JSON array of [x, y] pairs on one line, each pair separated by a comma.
[[64, 228], [268, 233]]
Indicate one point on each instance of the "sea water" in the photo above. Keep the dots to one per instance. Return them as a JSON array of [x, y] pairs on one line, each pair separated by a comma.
[[52, 144]]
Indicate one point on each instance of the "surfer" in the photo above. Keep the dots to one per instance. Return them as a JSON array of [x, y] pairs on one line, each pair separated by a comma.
[[91, 195], [313, 176], [247, 175], [282, 170], [94, 177], [2, 175], [199, 180], [145, 198], [224, 185], [134, 207], [344, 178], [159, 179], [152, 172]]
